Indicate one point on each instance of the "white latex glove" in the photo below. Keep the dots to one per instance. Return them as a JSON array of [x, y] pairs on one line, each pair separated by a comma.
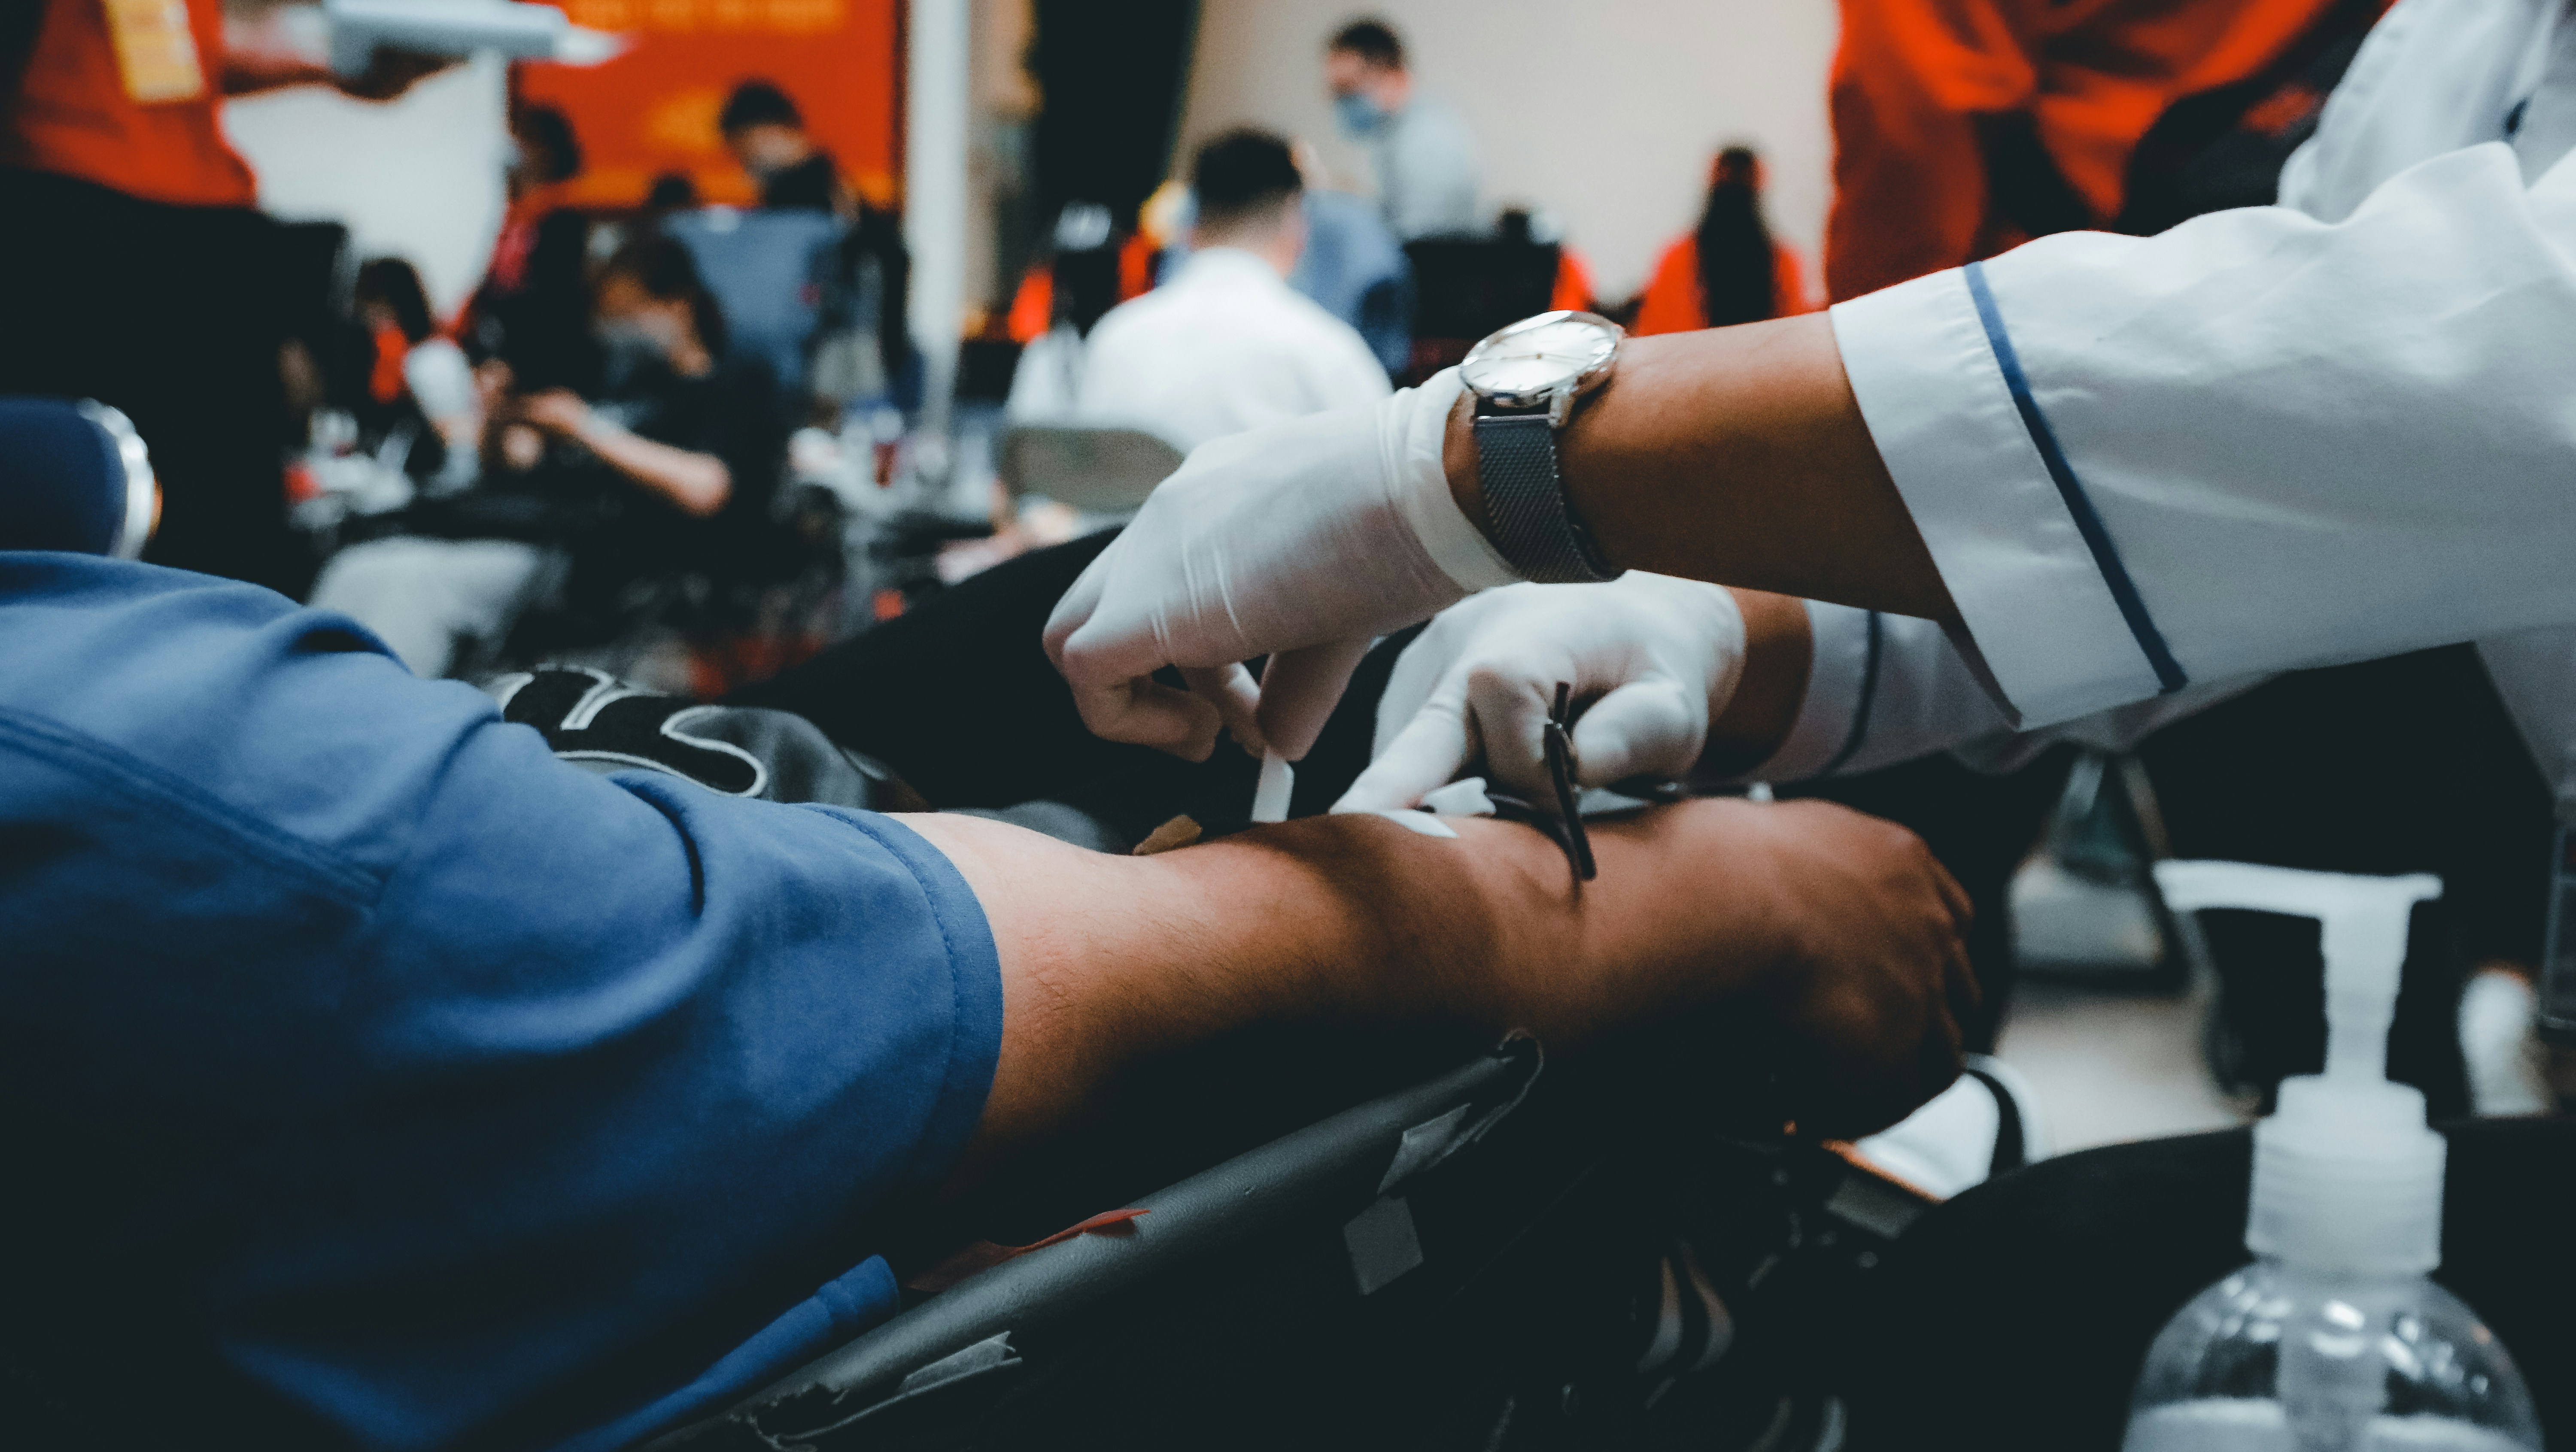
[[1301, 541], [1657, 658]]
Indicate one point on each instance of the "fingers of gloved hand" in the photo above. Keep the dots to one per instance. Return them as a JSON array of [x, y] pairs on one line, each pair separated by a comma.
[[1074, 608], [1426, 666], [1100, 657], [1424, 756], [1299, 689], [1650, 727], [1236, 696], [1145, 712], [1510, 706]]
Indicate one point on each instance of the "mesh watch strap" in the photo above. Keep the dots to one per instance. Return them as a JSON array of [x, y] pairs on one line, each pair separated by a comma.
[[1525, 507]]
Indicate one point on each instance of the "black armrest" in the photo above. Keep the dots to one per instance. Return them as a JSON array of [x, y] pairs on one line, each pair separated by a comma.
[[1346, 1175]]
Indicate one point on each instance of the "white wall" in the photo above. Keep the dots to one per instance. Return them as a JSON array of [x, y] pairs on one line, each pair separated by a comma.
[[418, 177], [1604, 113]]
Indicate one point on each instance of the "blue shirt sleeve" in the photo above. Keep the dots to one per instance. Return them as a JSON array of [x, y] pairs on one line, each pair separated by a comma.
[[523, 1095]]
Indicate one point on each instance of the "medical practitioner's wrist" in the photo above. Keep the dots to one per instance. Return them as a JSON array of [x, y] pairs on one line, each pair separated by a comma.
[[1420, 425], [1458, 463], [1749, 727]]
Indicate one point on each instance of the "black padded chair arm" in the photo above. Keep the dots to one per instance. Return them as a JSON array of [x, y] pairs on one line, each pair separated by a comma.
[[1319, 1177]]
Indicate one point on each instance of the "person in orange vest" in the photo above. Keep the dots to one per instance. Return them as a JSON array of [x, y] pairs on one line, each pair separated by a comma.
[[1963, 128], [1729, 269], [134, 268]]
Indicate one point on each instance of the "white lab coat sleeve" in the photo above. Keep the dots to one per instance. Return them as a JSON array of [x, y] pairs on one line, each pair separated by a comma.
[[2256, 442], [1885, 689], [1880, 689], [1840, 677]]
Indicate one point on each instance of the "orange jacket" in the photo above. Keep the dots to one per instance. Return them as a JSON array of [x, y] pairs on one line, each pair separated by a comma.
[[116, 93], [1573, 289], [1672, 301], [1924, 91]]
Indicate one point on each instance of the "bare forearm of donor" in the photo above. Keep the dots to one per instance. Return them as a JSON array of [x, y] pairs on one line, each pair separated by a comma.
[[1838, 929]]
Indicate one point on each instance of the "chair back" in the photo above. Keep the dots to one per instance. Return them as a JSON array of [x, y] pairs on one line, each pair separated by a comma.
[[1098, 470], [1464, 288]]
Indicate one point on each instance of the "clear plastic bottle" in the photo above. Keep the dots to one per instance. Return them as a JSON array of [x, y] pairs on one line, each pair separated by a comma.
[[2333, 1340], [2392, 1363]]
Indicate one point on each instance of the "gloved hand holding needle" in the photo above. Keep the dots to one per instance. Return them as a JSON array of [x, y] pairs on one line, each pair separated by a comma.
[[1651, 660]]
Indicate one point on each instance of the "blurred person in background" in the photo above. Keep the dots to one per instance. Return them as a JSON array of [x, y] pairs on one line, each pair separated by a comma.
[[1081, 273], [1521, 227], [1426, 166], [766, 133], [1225, 344], [533, 309], [413, 363], [1142, 257], [134, 266], [669, 468], [1730, 269], [763, 128], [1353, 267]]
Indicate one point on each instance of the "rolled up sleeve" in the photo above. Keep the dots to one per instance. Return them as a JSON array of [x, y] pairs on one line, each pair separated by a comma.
[[2257, 442], [2004, 520]]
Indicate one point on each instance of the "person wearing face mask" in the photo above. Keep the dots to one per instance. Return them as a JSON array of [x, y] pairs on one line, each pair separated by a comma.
[[668, 469], [1426, 166], [766, 133]]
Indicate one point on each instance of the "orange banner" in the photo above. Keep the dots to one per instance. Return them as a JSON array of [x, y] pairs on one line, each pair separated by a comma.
[[653, 109]]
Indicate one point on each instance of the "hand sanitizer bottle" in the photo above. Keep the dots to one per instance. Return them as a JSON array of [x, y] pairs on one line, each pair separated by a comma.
[[2333, 1340]]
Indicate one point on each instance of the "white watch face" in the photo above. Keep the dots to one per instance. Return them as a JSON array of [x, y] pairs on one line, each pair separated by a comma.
[[1533, 359]]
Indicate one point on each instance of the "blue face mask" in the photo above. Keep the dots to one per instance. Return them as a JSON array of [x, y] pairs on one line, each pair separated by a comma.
[[1357, 114]]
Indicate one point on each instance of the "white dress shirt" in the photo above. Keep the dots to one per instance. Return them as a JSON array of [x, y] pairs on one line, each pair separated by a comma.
[[1221, 347], [2153, 470]]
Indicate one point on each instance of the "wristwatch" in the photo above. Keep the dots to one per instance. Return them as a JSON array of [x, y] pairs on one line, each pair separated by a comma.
[[1527, 380]]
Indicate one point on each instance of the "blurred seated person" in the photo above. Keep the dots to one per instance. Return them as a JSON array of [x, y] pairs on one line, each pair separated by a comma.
[[1082, 285], [1730, 269], [1141, 259], [415, 365], [1572, 288], [533, 309], [1225, 344], [669, 469], [763, 128], [433, 1090]]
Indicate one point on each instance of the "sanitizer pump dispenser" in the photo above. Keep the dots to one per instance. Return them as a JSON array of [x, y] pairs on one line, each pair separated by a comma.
[[2333, 1340]]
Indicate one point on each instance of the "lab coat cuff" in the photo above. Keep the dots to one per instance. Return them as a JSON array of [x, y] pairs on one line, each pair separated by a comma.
[[1833, 716], [2046, 635]]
